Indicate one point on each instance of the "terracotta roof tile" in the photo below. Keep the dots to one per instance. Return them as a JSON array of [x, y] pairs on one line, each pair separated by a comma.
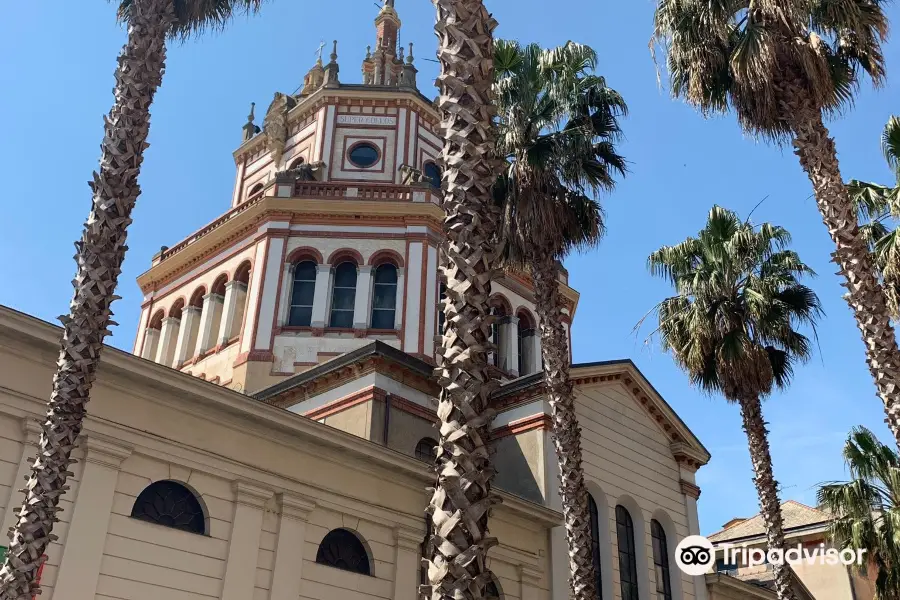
[[795, 515]]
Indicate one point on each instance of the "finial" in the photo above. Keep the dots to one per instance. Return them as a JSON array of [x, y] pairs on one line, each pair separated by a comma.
[[368, 52], [319, 52], [409, 57], [401, 54], [250, 129], [334, 53]]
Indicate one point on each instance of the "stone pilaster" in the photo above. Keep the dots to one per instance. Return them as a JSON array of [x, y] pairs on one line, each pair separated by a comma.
[[32, 430], [398, 305], [320, 298], [232, 311], [151, 342], [529, 582], [187, 335], [209, 321], [406, 563], [362, 309], [243, 546], [168, 337], [79, 570], [288, 570]]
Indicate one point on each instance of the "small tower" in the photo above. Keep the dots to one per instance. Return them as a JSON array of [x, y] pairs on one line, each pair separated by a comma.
[[331, 71], [382, 66]]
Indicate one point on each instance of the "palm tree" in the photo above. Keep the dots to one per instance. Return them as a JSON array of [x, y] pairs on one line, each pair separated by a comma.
[[732, 327], [866, 510], [461, 499], [783, 65], [558, 124], [99, 259], [875, 205]]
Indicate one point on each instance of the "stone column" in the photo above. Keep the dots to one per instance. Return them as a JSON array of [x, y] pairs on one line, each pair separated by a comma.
[[151, 341], [209, 319], [398, 305], [243, 547], [529, 582], [80, 566], [287, 572], [32, 430], [407, 563], [320, 298], [232, 311], [536, 358], [363, 307], [187, 335], [168, 337], [509, 338]]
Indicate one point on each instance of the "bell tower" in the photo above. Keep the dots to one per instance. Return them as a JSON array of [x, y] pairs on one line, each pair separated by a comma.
[[331, 240]]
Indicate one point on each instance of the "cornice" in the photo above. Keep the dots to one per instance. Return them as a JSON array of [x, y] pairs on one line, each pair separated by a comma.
[[294, 506], [251, 495]]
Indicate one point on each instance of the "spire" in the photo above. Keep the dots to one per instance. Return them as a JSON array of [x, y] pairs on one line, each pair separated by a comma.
[[331, 71], [250, 129], [408, 72]]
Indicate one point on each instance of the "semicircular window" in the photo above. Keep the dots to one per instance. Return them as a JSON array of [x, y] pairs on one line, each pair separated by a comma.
[[170, 504], [341, 549], [363, 155], [432, 173]]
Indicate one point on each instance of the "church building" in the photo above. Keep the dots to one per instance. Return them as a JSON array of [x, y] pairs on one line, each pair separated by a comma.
[[271, 435]]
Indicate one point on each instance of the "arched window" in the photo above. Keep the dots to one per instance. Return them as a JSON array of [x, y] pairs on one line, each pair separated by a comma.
[[256, 189], [343, 295], [492, 591], [661, 561], [384, 300], [302, 294], [442, 295], [527, 362], [170, 504], [595, 545], [432, 173], [498, 357], [341, 549], [627, 554], [426, 450], [297, 163]]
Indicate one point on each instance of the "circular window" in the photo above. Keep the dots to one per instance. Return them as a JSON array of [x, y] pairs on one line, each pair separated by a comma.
[[432, 173], [363, 155]]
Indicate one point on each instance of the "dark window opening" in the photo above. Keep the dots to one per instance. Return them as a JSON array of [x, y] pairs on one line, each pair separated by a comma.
[[170, 504], [627, 554], [384, 297], [432, 173], [661, 561], [364, 155], [595, 545], [343, 296], [426, 450], [341, 549], [302, 294]]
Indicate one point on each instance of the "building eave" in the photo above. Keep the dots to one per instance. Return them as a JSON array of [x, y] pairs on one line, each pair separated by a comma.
[[186, 390]]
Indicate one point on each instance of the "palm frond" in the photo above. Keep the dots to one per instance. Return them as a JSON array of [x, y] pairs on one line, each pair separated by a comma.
[[196, 16]]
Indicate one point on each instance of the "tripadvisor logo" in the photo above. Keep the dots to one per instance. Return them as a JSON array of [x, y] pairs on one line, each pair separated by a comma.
[[695, 555]]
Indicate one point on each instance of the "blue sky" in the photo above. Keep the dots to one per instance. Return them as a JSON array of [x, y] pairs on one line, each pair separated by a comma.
[[56, 63]]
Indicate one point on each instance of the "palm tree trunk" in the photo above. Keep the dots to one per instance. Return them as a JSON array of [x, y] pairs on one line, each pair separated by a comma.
[[462, 498], [99, 258], [766, 488], [566, 431], [865, 295]]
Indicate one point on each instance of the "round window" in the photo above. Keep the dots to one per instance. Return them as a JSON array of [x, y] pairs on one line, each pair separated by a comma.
[[432, 173], [363, 155]]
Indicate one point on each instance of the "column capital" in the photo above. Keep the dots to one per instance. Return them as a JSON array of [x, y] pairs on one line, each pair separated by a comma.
[[213, 297], [235, 283], [171, 321], [250, 494], [528, 575], [323, 269], [194, 310], [32, 429], [408, 539], [106, 452], [365, 269], [294, 506], [690, 489]]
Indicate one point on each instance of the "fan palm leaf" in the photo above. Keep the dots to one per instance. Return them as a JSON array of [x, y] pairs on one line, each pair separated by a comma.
[[733, 327]]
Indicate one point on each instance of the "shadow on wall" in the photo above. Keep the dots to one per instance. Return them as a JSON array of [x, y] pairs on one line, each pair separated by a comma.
[[518, 458]]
